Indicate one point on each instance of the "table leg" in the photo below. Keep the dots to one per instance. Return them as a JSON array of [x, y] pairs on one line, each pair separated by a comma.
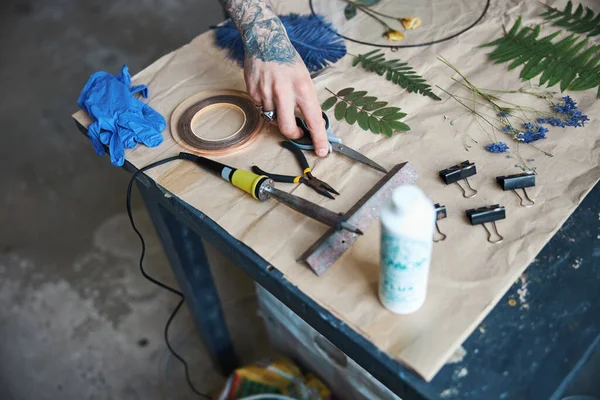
[[186, 254]]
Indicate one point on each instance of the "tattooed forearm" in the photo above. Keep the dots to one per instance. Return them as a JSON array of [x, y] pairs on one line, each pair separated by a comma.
[[262, 32]]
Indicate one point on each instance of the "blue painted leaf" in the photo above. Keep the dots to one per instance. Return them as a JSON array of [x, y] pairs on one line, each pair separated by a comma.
[[314, 38]]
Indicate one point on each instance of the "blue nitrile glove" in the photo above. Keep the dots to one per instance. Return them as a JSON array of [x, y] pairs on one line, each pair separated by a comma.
[[120, 120]]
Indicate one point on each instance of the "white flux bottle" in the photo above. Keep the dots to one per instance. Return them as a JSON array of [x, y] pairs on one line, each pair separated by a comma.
[[407, 225]]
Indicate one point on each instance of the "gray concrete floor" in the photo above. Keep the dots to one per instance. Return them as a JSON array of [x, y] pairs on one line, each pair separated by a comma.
[[77, 320]]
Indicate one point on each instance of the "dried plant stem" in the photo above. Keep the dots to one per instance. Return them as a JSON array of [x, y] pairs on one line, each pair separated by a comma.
[[508, 103], [373, 11], [492, 137], [466, 106], [483, 117], [369, 12], [472, 87]]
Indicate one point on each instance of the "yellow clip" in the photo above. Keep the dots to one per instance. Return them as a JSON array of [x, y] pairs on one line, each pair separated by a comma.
[[306, 171], [297, 179]]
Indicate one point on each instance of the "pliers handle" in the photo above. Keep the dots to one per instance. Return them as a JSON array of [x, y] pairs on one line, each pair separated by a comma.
[[288, 178], [276, 177], [307, 177]]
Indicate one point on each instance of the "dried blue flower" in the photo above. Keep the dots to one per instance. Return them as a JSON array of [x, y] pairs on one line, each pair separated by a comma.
[[507, 128], [528, 125], [572, 116], [569, 102], [566, 108], [532, 133], [497, 147], [503, 114], [577, 120], [559, 109], [555, 122]]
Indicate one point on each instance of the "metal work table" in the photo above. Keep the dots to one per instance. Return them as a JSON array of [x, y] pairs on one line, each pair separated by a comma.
[[529, 350]]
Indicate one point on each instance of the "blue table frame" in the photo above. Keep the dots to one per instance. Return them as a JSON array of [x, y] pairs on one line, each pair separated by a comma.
[[530, 352]]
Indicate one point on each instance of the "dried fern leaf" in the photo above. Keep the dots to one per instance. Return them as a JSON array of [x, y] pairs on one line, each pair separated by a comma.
[[396, 71], [568, 61]]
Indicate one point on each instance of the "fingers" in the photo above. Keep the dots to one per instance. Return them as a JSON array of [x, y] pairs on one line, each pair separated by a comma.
[[255, 94], [311, 111], [285, 102], [267, 94], [280, 88]]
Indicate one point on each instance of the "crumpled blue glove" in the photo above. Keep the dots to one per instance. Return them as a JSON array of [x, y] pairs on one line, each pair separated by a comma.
[[120, 120]]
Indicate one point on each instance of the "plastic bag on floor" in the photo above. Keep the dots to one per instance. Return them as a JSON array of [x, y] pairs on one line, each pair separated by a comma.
[[280, 376]]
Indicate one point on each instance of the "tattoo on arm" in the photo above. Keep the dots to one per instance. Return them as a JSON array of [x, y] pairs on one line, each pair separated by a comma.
[[262, 32]]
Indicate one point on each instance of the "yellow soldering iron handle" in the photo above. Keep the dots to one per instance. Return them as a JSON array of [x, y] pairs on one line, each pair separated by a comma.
[[248, 181]]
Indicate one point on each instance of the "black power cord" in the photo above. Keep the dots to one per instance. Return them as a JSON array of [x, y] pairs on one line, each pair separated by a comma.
[[396, 47], [155, 281]]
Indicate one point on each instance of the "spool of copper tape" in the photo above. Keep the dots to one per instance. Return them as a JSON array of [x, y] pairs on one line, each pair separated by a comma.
[[216, 122]]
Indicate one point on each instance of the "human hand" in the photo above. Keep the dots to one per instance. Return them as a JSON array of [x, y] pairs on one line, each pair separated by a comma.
[[282, 88], [276, 77]]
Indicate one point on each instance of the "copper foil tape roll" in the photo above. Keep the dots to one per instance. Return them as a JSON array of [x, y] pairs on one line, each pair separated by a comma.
[[190, 113]]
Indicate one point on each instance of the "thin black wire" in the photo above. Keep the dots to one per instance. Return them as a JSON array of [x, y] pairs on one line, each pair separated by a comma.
[[396, 47], [157, 282]]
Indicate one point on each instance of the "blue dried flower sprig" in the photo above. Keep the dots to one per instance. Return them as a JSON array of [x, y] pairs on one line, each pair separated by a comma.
[[565, 114], [529, 127], [531, 133], [499, 147], [552, 121], [568, 115]]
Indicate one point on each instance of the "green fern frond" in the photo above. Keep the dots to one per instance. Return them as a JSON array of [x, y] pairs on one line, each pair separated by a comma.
[[565, 61], [367, 111], [395, 71], [575, 21]]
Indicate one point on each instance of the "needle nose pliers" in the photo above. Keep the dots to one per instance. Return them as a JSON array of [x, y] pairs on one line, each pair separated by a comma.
[[306, 178]]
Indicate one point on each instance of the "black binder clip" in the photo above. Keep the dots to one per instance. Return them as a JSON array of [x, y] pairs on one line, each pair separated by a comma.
[[440, 213], [518, 181], [460, 172], [479, 216]]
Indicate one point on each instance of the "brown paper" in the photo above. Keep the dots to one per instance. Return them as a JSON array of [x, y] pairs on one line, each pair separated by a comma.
[[468, 275]]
